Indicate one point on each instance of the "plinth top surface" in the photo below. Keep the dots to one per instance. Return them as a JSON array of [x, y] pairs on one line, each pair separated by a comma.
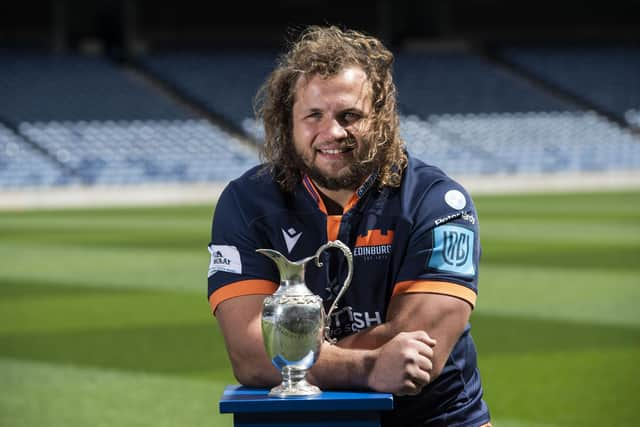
[[240, 399]]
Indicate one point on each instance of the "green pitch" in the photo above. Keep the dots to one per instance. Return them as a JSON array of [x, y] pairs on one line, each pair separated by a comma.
[[104, 319]]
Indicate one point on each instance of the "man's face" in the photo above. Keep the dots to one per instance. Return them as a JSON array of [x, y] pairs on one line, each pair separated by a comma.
[[329, 121]]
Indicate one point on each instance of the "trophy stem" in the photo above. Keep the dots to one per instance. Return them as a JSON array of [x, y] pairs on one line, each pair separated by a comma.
[[294, 384]]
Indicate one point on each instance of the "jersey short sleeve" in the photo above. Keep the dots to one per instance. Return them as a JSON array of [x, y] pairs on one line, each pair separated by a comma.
[[443, 250], [235, 268]]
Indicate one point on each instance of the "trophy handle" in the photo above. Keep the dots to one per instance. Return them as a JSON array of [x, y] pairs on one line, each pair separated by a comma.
[[349, 256]]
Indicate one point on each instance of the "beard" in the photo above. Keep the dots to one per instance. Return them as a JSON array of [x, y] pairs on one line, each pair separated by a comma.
[[348, 179]]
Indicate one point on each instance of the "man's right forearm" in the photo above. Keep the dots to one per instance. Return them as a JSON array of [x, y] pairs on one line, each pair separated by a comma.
[[400, 366], [342, 368], [371, 338]]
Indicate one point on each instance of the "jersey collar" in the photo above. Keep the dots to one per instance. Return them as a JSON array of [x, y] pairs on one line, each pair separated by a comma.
[[357, 195]]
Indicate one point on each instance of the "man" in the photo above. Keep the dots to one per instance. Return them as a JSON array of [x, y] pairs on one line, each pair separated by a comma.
[[336, 169]]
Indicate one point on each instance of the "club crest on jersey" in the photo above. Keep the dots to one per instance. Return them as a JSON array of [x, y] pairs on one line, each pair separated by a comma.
[[224, 258], [453, 247], [376, 244]]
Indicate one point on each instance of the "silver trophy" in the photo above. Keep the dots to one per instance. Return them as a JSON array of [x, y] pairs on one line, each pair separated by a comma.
[[293, 321]]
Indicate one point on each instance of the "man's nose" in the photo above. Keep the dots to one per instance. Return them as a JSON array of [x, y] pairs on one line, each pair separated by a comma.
[[334, 130]]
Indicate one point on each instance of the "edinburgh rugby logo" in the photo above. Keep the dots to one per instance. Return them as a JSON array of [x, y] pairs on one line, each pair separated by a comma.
[[374, 245]]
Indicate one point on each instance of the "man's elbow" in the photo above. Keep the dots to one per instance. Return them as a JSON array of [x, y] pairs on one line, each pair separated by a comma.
[[252, 374]]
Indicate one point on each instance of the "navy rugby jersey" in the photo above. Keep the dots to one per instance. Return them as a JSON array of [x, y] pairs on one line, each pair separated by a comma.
[[420, 237]]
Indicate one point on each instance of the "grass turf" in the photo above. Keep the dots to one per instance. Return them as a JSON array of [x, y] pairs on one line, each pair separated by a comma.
[[104, 319]]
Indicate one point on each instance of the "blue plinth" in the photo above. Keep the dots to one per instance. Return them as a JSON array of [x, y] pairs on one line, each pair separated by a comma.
[[253, 407]]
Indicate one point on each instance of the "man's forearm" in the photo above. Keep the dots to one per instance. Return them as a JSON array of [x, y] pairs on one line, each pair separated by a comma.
[[339, 368], [401, 366], [348, 364], [370, 338]]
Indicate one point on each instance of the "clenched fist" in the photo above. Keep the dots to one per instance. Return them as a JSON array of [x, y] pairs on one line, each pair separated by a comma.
[[403, 365]]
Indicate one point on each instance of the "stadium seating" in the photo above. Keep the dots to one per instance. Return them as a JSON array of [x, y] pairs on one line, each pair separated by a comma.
[[471, 117], [431, 83], [105, 125], [605, 75], [522, 143], [136, 152], [23, 166], [76, 119], [225, 82], [633, 117]]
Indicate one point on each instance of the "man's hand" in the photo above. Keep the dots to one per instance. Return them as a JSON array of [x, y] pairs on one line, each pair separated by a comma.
[[404, 364]]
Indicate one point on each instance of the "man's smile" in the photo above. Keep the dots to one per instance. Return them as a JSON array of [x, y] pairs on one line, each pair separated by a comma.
[[335, 150]]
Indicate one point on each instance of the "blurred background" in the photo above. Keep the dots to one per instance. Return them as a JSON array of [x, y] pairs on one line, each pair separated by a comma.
[[112, 93], [121, 121]]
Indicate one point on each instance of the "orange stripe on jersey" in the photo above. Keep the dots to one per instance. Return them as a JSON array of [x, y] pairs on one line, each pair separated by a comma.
[[311, 188], [333, 226], [375, 238], [243, 287], [351, 203], [435, 287]]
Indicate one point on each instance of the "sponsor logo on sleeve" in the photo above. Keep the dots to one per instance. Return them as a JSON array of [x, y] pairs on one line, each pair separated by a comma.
[[455, 199], [224, 258], [465, 216], [453, 250]]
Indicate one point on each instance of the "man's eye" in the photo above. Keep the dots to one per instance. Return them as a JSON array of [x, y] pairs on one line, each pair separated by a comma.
[[350, 117], [313, 118]]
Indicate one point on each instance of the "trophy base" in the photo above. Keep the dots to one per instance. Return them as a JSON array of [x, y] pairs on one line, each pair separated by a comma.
[[299, 389]]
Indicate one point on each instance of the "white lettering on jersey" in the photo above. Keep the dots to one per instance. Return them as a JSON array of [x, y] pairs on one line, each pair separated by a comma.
[[346, 319]]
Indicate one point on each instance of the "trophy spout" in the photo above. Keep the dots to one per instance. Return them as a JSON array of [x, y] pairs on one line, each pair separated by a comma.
[[290, 271]]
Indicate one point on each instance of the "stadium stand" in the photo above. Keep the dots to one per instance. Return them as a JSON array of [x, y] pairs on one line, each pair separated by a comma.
[[223, 82], [607, 76], [91, 121], [106, 125], [137, 152], [471, 116], [431, 83], [22, 165], [459, 111]]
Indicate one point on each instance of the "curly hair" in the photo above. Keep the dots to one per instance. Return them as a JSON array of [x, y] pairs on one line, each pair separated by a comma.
[[325, 51]]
